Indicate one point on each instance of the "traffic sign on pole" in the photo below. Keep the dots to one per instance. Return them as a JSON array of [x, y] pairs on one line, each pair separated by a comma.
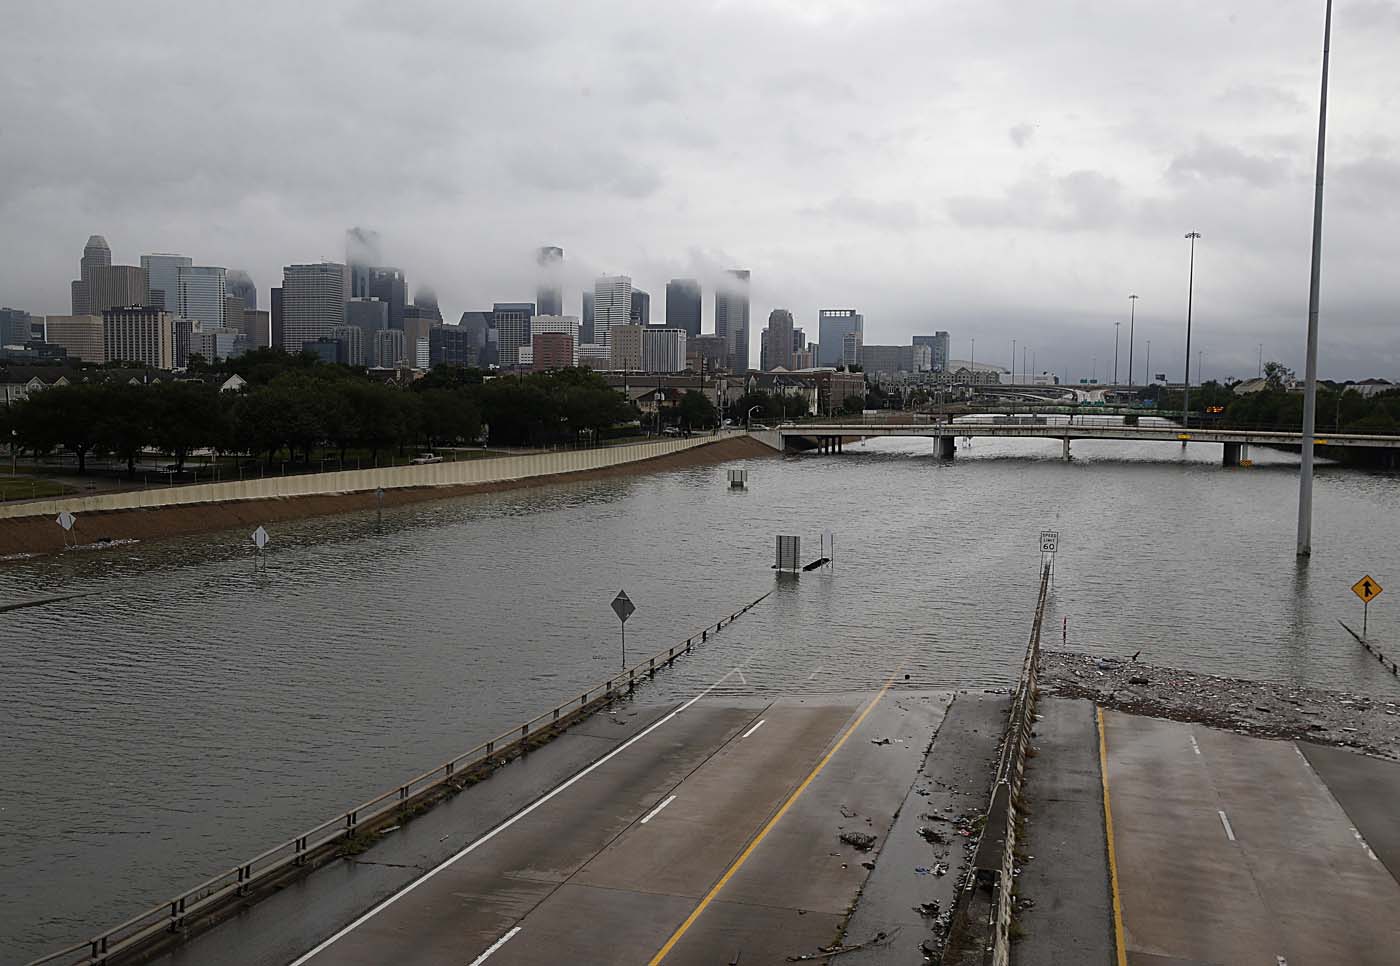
[[1367, 589], [1049, 541], [623, 607]]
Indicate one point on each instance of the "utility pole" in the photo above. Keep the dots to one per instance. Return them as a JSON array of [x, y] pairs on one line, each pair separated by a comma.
[[1115, 353], [1132, 325], [1190, 292], [1013, 362], [1305, 473], [1148, 364]]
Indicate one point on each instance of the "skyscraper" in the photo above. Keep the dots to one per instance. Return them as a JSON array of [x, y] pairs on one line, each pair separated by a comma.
[[202, 291], [361, 254], [683, 305], [663, 350], [240, 283], [641, 307], [80, 335], [612, 305], [389, 285], [96, 254], [139, 334], [586, 317], [566, 325], [313, 302], [116, 286], [780, 339], [275, 321], [938, 349], [162, 272], [512, 324], [732, 316], [833, 325], [549, 297]]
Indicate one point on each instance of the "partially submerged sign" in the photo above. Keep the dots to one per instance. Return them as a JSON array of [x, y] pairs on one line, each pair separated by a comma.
[[66, 520], [1367, 589], [622, 606], [1049, 541], [260, 538]]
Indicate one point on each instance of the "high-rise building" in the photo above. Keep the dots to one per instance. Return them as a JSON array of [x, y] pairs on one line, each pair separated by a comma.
[[139, 333], [16, 326], [162, 273], [97, 254], [389, 285], [549, 297], [586, 319], [663, 350], [683, 305], [422, 353], [641, 308], [362, 253], [780, 335], [116, 287], [367, 314], [351, 344], [202, 294], [240, 284], [552, 350], [833, 325], [313, 302], [732, 316], [851, 346], [257, 328], [612, 305], [325, 349], [390, 348], [216, 344], [511, 320], [625, 348], [276, 323], [452, 345], [235, 312], [887, 360], [477, 325], [80, 335], [707, 352], [938, 349], [556, 325]]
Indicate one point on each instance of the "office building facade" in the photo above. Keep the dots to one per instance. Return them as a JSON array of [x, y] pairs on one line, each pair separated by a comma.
[[556, 325], [162, 277], [452, 345], [683, 305], [612, 305], [351, 342], [663, 350], [511, 322], [141, 334], [79, 335], [833, 325], [552, 350], [732, 316], [202, 292], [97, 254], [625, 348], [641, 307], [780, 339], [313, 300], [938, 349], [390, 348], [549, 295]]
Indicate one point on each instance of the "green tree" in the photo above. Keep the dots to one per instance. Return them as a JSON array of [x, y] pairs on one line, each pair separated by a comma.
[[67, 416], [853, 405], [185, 417], [127, 423], [695, 411]]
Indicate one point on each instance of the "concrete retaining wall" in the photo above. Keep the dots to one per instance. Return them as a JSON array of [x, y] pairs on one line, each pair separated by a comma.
[[352, 481]]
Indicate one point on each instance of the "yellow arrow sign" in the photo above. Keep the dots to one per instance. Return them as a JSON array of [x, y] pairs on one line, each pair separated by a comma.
[[1367, 589]]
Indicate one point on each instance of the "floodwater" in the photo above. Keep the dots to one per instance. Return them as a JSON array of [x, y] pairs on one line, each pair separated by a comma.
[[190, 711]]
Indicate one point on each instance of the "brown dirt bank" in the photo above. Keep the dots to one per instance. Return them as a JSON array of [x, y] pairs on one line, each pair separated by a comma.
[[38, 535]]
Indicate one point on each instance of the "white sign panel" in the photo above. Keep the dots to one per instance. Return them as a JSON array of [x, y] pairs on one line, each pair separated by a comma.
[[1049, 541], [260, 538], [66, 520]]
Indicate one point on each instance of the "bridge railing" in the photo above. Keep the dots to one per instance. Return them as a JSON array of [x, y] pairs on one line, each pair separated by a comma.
[[173, 914]]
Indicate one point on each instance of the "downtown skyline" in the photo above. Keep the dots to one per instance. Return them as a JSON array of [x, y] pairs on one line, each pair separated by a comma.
[[1023, 203]]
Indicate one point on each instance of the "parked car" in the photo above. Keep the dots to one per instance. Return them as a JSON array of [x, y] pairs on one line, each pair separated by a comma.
[[423, 458]]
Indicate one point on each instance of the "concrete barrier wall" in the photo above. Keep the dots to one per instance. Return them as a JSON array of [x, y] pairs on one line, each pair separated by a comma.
[[351, 481]]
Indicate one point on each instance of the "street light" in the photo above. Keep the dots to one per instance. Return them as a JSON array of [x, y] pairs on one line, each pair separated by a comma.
[[1305, 473], [1132, 324], [1115, 353], [1013, 361], [1190, 290], [748, 417]]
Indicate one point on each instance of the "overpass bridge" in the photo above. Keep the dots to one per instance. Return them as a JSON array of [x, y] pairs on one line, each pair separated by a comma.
[[1235, 443]]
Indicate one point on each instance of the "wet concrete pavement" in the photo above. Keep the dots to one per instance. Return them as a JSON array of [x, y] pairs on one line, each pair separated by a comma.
[[1066, 876], [1235, 850], [732, 807], [954, 783]]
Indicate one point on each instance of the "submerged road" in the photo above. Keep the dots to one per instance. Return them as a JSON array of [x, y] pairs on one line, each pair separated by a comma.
[[713, 827]]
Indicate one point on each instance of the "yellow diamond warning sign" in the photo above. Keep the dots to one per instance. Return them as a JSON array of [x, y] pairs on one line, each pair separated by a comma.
[[1367, 589]]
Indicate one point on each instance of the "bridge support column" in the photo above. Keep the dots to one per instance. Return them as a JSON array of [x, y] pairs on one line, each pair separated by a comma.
[[1066, 450], [840, 444], [946, 447], [1232, 454]]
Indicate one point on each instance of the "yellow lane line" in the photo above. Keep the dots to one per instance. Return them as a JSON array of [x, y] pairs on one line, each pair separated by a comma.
[[1112, 858], [744, 856]]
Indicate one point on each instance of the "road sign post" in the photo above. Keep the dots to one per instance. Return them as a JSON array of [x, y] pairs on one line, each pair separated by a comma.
[[1049, 545], [623, 607], [66, 520], [1368, 590], [260, 541]]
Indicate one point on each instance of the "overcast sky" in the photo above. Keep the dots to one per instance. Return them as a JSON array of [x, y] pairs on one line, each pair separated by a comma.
[[997, 169]]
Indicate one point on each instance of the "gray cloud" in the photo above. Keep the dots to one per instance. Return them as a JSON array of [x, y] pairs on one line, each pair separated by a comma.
[[814, 142], [1210, 160]]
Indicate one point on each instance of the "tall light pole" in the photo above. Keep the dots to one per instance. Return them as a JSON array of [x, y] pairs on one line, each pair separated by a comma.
[[1261, 360], [1132, 325], [1013, 361], [1115, 353], [1148, 363], [1305, 473], [1190, 291]]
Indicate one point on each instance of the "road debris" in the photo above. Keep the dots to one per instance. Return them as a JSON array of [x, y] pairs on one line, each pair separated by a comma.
[[863, 841], [826, 952]]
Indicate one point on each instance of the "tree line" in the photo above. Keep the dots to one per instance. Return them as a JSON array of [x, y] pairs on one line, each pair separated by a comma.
[[296, 404]]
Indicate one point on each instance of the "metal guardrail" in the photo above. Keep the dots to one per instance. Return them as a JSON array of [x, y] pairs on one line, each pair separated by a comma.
[[172, 914], [993, 862]]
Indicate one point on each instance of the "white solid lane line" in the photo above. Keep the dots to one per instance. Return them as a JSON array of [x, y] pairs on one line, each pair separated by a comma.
[[451, 860], [754, 728], [1195, 747], [495, 946], [652, 814], [1226, 822]]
